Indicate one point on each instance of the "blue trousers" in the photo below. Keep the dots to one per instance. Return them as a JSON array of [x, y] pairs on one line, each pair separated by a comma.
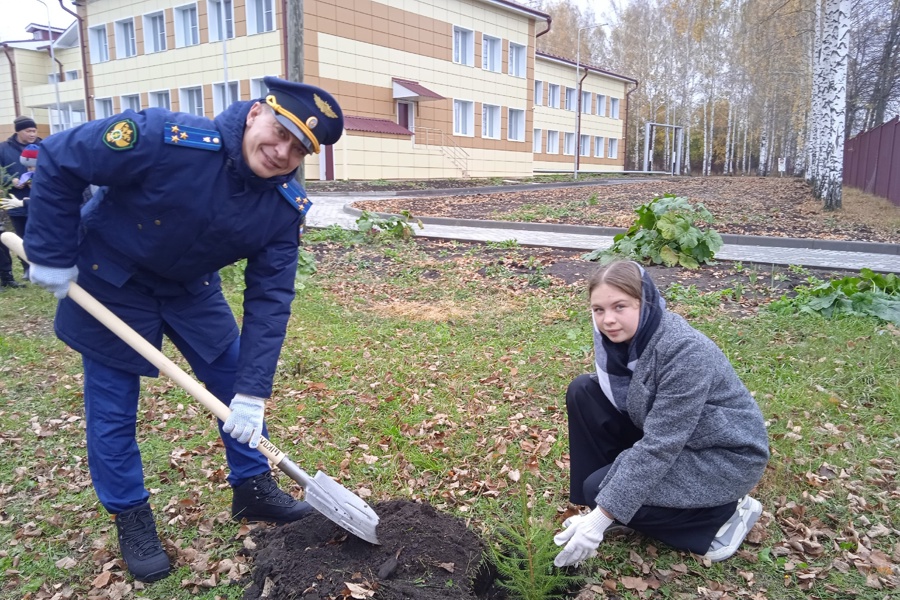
[[111, 405]]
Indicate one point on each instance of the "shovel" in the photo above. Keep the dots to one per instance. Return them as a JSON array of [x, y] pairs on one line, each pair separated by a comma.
[[322, 492]]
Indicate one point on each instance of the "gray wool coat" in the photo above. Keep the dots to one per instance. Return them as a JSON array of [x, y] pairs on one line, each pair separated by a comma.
[[704, 443]]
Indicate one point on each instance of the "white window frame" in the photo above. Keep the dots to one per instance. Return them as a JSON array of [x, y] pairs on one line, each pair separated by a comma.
[[126, 99], [469, 117], [613, 148], [72, 75], [538, 92], [517, 59], [515, 124], [586, 98], [104, 102], [552, 141], [258, 88], [493, 60], [553, 97], [183, 97], [490, 121], [569, 143], [537, 141], [126, 41], [220, 102], [154, 96], [601, 105], [212, 19], [53, 78], [99, 44], [571, 99], [599, 143], [613, 108], [154, 41], [585, 145], [179, 13], [253, 16], [463, 46]]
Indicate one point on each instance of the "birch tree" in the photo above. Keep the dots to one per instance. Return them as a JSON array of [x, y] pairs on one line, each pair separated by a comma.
[[835, 49]]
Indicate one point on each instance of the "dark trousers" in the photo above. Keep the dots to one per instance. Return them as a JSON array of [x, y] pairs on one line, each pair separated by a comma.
[[111, 406], [598, 433]]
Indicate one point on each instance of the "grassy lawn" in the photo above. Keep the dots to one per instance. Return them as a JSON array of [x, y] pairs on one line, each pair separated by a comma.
[[440, 376]]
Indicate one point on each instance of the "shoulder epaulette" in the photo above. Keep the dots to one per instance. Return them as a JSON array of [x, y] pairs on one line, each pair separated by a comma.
[[294, 193], [192, 137]]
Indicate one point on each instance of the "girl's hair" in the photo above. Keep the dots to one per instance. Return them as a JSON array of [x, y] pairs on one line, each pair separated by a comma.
[[624, 275]]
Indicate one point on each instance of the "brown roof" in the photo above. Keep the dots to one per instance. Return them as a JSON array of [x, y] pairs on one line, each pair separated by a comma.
[[417, 88], [373, 125]]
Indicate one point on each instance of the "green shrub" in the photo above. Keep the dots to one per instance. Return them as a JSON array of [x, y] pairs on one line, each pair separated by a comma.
[[665, 232], [399, 226]]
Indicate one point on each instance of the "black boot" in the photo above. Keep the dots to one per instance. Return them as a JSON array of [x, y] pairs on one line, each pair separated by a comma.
[[260, 499], [140, 545], [6, 280]]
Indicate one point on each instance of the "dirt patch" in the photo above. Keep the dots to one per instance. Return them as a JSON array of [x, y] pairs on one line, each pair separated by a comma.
[[740, 205], [424, 555], [420, 311]]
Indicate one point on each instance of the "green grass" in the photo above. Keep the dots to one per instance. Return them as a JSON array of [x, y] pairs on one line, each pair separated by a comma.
[[450, 381]]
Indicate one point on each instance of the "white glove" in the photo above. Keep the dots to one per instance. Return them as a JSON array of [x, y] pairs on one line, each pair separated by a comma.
[[581, 537], [54, 279], [8, 203], [246, 420]]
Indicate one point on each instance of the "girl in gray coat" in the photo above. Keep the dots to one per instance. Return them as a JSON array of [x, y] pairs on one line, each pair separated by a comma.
[[664, 437]]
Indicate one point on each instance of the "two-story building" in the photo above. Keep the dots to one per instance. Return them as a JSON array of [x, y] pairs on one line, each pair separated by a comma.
[[429, 88]]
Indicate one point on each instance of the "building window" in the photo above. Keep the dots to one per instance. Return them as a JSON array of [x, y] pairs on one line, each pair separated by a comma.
[[99, 45], [536, 141], [155, 32], [490, 53], [614, 108], [569, 144], [553, 97], [570, 99], [552, 142], [598, 146], [217, 10], [220, 101], [515, 125], [133, 102], [463, 46], [103, 107], [260, 16], [538, 93], [613, 148], [258, 89], [585, 147], [490, 121], [586, 102], [601, 105], [53, 78], [187, 30], [125, 44], [516, 60], [71, 75], [192, 100], [160, 100], [463, 116]]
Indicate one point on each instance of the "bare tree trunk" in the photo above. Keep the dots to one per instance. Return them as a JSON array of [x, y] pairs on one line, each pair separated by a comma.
[[727, 168], [835, 46], [763, 168], [294, 24]]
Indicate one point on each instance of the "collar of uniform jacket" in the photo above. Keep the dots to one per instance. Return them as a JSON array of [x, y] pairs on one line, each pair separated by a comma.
[[231, 126]]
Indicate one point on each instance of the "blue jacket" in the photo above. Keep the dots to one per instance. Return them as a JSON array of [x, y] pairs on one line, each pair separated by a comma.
[[10, 152], [149, 245]]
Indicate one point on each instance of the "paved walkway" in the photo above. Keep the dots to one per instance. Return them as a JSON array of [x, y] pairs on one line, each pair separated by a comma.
[[335, 210]]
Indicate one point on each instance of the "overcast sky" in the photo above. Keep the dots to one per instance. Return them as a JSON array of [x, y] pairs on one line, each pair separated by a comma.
[[17, 14]]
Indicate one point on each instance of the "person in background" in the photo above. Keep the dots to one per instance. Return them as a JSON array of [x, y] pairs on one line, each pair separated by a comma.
[[664, 437], [10, 159], [180, 197]]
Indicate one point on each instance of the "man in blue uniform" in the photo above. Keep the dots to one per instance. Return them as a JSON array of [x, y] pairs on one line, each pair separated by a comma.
[[182, 196]]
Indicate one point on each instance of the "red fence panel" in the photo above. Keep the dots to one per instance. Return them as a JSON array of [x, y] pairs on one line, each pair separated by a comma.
[[872, 161]]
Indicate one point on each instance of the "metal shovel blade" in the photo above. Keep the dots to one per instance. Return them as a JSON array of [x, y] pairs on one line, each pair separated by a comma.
[[335, 501]]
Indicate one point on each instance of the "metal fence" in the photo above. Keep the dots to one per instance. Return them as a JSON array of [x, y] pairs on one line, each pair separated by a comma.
[[872, 161]]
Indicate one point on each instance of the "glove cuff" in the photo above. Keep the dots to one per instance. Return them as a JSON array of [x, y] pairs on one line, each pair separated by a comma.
[[254, 400], [597, 520]]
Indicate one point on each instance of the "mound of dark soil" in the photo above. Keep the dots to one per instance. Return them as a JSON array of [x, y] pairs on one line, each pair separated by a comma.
[[424, 555]]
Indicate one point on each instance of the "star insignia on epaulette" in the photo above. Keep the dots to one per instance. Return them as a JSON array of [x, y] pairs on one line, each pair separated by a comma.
[[175, 129], [183, 135], [174, 139]]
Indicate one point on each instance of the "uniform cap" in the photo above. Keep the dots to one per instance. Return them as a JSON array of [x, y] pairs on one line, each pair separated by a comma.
[[29, 155], [308, 112]]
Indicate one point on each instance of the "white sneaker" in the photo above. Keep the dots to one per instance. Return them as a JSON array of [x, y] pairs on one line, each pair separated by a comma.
[[730, 536]]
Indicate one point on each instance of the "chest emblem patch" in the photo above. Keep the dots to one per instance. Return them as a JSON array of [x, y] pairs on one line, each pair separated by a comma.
[[121, 135]]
